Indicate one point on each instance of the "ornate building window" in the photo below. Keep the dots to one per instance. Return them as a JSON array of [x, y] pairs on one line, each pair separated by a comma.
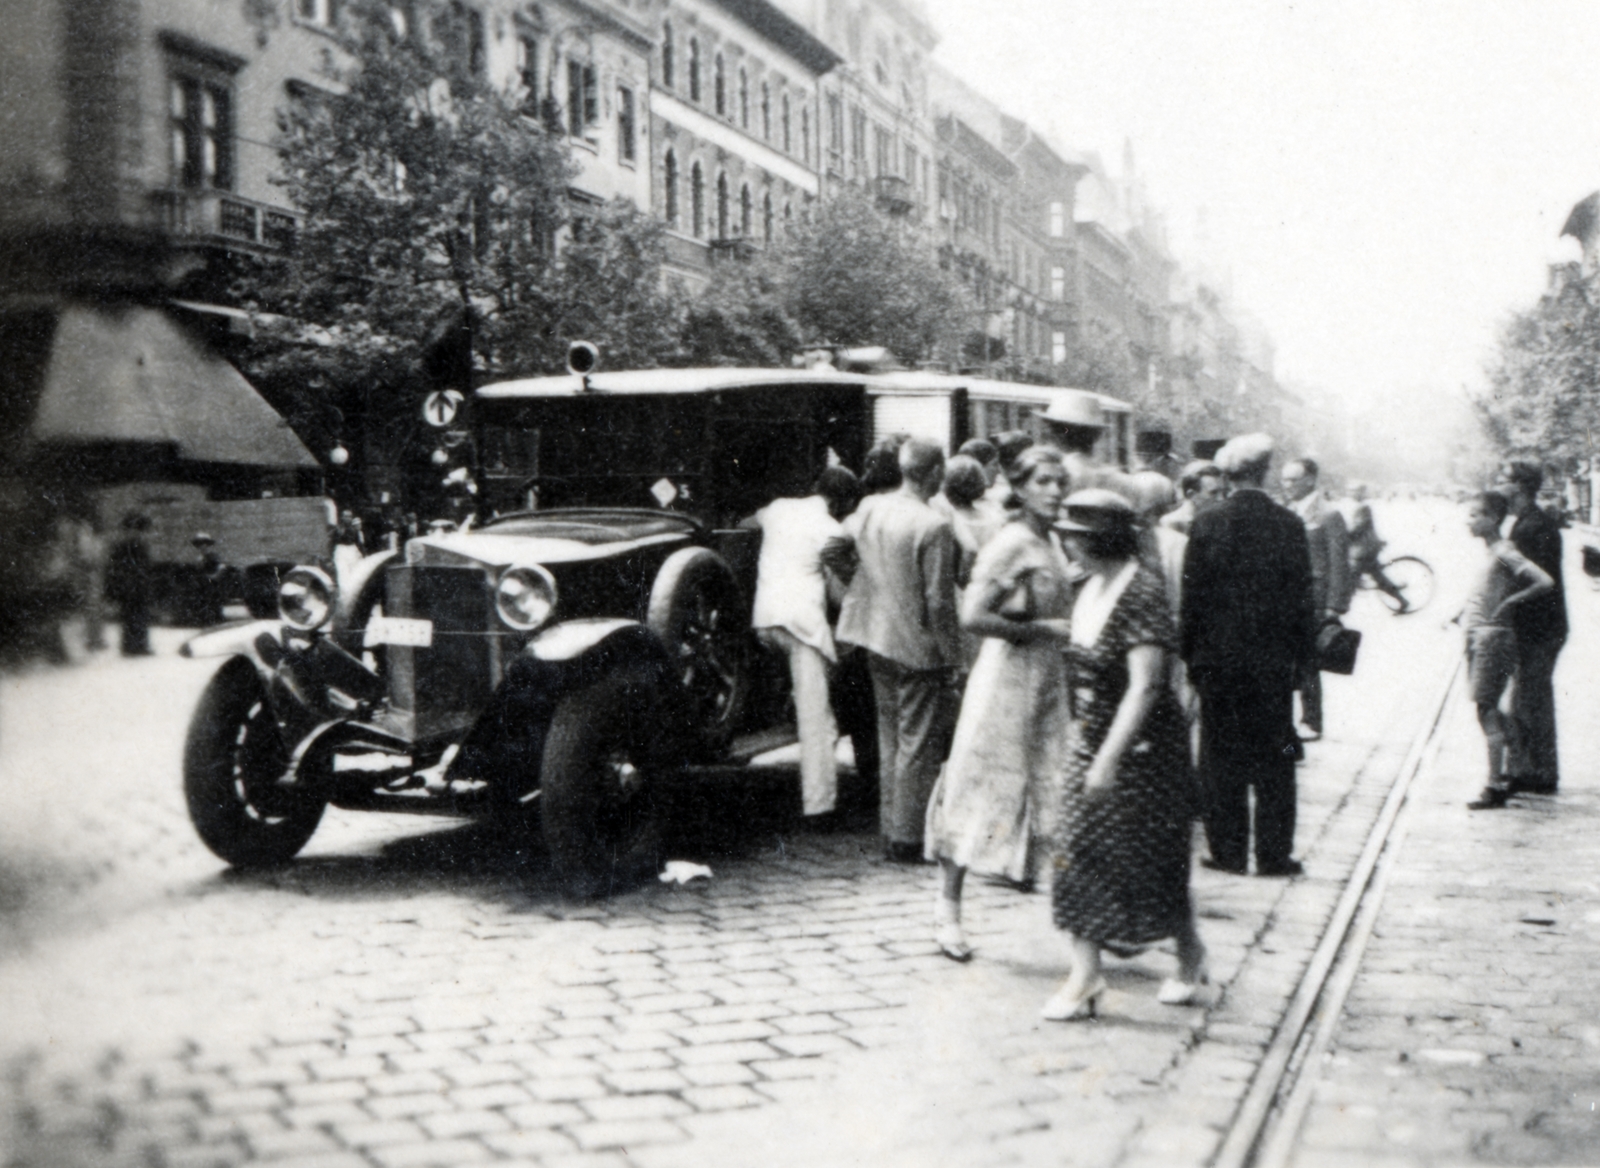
[[694, 70], [744, 99], [766, 217], [783, 124], [583, 99], [697, 200], [200, 122], [719, 87], [627, 144], [668, 65], [669, 182], [746, 211], [766, 111], [722, 206]]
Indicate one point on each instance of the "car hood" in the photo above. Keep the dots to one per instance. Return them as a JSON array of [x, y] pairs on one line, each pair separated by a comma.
[[555, 537]]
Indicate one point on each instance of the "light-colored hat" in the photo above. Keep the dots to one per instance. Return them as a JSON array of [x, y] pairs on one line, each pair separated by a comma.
[[1245, 453], [1075, 408], [1094, 509], [201, 537]]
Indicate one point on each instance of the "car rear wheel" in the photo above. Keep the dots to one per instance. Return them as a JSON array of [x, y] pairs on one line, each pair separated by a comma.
[[232, 761], [698, 612], [597, 797]]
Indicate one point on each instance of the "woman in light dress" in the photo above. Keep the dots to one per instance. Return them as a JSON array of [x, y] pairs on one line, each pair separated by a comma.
[[990, 808]]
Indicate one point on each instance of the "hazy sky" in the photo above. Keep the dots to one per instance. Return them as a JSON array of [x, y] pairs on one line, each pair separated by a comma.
[[1385, 178]]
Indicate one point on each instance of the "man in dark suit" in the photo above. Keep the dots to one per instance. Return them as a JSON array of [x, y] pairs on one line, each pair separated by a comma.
[[1246, 628], [1541, 628]]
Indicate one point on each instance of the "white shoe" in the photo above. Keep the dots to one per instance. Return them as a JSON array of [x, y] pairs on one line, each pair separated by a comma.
[[952, 942], [1065, 1007], [1174, 992]]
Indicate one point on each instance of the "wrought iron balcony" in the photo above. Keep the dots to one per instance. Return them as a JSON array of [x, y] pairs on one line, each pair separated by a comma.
[[221, 216], [894, 193]]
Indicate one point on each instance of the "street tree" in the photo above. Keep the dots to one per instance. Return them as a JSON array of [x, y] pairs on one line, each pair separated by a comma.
[[1543, 393], [433, 241], [857, 276]]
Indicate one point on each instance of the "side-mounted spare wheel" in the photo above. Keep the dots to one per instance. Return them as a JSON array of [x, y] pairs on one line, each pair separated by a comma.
[[698, 611], [598, 800], [232, 760]]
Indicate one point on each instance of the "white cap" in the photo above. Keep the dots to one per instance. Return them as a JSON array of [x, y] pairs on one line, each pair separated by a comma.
[[1244, 454]]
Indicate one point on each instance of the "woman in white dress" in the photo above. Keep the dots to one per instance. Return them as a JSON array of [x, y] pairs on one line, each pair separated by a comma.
[[990, 808]]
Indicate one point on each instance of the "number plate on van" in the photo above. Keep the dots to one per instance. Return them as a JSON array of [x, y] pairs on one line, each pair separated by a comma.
[[398, 630]]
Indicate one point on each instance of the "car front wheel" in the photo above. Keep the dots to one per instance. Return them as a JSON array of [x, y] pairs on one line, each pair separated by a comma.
[[232, 761], [597, 801]]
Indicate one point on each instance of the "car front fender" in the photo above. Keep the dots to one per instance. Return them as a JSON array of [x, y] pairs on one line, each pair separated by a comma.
[[237, 639], [572, 639]]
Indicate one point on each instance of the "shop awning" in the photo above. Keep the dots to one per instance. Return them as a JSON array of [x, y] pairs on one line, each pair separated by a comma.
[[130, 374]]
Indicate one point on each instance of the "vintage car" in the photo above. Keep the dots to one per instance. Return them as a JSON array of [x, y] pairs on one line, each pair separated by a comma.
[[555, 661]]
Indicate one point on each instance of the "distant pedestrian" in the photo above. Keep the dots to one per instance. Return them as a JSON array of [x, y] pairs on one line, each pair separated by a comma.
[[92, 556], [1076, 423], [1328, 541], [1201, 484], [900, 608], [880, 469], [129, 584], [1122, 870], [991, 809], [1506, 582], [1008, 445], [1366, 547], [1541, 626], [790, 616], [986, 454], [212, 589], [1246, 631]]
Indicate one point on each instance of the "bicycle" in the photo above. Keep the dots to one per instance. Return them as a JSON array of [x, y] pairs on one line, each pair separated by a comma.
[[1404, 584]]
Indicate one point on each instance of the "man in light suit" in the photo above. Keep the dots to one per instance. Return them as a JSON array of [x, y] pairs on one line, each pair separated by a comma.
[[901, 608], [1329, 543], [1245, 630], [1541, 628]]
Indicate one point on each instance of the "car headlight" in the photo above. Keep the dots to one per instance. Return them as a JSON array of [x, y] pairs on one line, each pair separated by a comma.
[[525, 597], [305, 598]]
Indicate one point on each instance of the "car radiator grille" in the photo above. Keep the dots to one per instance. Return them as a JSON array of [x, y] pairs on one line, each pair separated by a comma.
[[439, 690]]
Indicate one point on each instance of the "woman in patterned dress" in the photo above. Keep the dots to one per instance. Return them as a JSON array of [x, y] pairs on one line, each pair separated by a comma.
[[992, 802], [1122, 870]]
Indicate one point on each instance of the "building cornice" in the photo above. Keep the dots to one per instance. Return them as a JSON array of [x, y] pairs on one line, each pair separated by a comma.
[[788, 34]]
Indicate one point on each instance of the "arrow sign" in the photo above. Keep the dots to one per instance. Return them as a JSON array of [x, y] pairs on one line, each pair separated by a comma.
[[441, 406]]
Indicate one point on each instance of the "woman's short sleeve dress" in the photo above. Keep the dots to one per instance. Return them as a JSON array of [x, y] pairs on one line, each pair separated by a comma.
[[1122, 864], [991, 809]]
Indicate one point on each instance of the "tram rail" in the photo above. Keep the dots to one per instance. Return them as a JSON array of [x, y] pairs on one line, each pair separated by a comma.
[[1268, 1120]]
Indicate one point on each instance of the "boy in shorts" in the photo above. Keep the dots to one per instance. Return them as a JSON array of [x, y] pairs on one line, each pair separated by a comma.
[[1507, 579]]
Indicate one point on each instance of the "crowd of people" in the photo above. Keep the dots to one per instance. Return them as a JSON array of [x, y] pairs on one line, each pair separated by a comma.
[[1069, 664]]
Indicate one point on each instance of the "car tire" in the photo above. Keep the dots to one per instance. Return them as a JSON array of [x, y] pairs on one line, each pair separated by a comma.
[[231, 763], [598, 801], [698, 611]]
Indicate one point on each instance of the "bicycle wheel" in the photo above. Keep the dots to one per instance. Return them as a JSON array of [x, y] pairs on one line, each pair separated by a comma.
[[1413, 585]]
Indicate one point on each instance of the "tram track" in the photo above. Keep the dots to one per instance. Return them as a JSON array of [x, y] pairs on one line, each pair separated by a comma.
[[1268, 1119]]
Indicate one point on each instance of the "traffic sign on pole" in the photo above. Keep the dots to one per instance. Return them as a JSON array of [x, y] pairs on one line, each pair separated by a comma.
[[441, 406]]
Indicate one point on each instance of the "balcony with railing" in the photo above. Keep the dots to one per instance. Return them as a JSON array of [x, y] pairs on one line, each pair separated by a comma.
[[223, 217], [894, 194]]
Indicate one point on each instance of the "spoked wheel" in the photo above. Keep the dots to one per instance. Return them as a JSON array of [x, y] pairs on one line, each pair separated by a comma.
[[597, 800], [232, 761], [697, 611], [1412, 581]]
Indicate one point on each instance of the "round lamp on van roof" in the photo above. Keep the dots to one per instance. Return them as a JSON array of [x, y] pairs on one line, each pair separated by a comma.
[[583, 358]]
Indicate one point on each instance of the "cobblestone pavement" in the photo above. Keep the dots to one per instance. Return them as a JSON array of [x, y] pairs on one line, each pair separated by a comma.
[[409, 993], [1471, 1035]]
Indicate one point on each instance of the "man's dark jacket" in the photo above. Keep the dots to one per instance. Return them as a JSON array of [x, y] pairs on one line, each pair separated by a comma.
[[1543, 618], [1247, 592]]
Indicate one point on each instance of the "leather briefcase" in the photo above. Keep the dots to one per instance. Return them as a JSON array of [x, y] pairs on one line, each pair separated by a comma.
[[1336, 648]]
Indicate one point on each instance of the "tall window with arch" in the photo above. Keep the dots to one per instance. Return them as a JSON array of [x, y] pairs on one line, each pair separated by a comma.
[[783, 124], [805, 133], [669, 183], [766, 217], [722, 206], [697, 200], [719, 86], [746, 211], [668, 77], [744, 99], [766, 111], [694, 69]]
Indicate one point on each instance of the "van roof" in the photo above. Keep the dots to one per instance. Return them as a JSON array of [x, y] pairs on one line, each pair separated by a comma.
[[663, 381]]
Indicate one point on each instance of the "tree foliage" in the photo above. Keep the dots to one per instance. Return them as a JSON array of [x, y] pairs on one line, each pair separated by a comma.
[[437, 243], [1543, 392]]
